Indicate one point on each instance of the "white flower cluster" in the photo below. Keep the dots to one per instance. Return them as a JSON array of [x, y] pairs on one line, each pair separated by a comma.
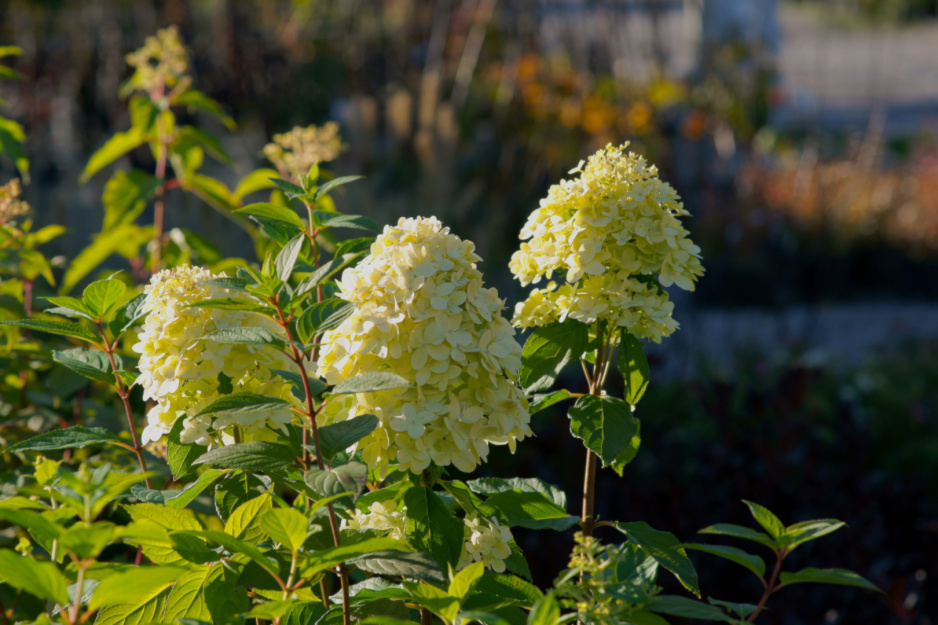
[[184, 372], [423, 313], [487, 541], [615, 235]]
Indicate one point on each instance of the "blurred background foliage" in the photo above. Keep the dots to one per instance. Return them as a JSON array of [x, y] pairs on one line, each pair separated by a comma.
[[469, 109]]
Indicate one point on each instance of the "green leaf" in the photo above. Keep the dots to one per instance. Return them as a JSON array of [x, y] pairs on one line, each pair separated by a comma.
[[628, 454], [633, 366], [181, 456], [273, 213], [332, 184], [113, 149], [322, 316], [286, 259], [323, 559], [465, 580], [316, 386], [128, 586], [124, 240], [432, 527], [546, 400], [44, 530], [604, 424], [69, 307], [766, 519], [841, 577], [493, 485], [548, 350], [214, 193], [257, 180], [11, 144], [800, 533], [246, 336], [100, 297], [254, 456], [241, 402], [74, 437], [742, 610], [128, 314], [337, 220], [545, 612], [125, 197], [187, 599], [339, 436], [687, 608], [325, 271], [87, 541], [739, 531], [190, 135], [665, 549], [533, 510], [226, 602], [740, 557], [195, 99], [89, 363], [396, 563], [245, 522], [435, 600], [286, 526], [499, 589], [370, 383], [40, 579], [61, 328], [145, 610], [347, 478], [161, 551], [234, 545]]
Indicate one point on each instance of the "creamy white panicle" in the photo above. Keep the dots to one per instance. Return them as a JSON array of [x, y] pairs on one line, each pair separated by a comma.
[[184, 372], [613, 233], [422, 312]]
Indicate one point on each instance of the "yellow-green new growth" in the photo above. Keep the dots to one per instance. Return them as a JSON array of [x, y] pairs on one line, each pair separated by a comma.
[[614, 235], [181, 369], [422, 313]]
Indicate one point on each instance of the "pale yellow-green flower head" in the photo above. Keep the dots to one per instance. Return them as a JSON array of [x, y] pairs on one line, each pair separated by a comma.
[[161, 63], [184, 372], [613, 235], [381, 516], [301, 148], [423, 313]]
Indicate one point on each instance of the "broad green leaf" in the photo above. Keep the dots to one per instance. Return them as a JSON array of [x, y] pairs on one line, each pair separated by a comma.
[[432, 527], [246, 336], [69, 307], [633, 366], [396, 563], [548, 350], [264, 213], [245, 522], [465, 580], [61, 328], [11, 144], [74, 437], [316, 386], [286, 526], [665, 549], [370, 383], [190, 135], [90, 363], [339, 436], [243, 401], [128, 586], [322, 316], [628, 454], [347, 478], [498, 589], [40, 579], [687, 608], [546, 400], [214, 193], [740, 557], [766, 519], [533, 510], [516, 562], [432, 598], [471, 503], [193, 490], [493, 485], [87, 541], [226, 601], [181, 456], [195, 99], [332, 184], [254, 456], [545, 612], [323, 559], [161, 550], [800, 533], [324, 272], [742, 610], [42, 529], [604, 424], [257, 180], [128, 314], [234, 545], [124, 240], [286, 259], [145, 610], [739, 531], [113, 149], [337, 220], [842, 577], [187, 599], [125, 197]]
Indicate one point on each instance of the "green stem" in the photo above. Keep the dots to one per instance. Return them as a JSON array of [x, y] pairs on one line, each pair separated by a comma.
[[595, 378]]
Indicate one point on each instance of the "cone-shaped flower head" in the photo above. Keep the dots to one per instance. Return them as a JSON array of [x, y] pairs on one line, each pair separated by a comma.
[[422, 313], [184, 372], [301, 148], [161, 63], [613, 233]]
